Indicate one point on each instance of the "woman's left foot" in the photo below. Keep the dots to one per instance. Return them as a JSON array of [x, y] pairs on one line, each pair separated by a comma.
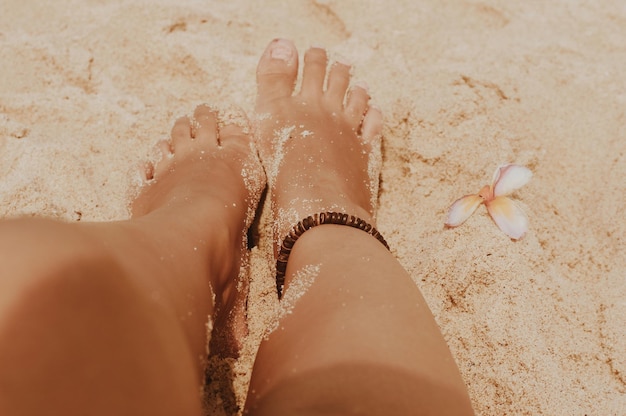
[[194, 211]]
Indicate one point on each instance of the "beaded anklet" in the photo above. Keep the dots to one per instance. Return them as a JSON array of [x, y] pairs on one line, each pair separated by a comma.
[[313, 221]]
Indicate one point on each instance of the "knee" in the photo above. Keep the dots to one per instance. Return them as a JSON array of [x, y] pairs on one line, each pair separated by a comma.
[[74, 324], [35, 250], [42, 259], [52, 289], [48, 264]]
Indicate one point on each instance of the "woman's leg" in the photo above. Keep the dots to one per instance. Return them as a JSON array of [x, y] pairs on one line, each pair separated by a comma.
[[111, 318], [360, 339]]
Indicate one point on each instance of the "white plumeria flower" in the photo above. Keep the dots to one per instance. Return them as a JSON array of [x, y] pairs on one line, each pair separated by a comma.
[[504, 212]]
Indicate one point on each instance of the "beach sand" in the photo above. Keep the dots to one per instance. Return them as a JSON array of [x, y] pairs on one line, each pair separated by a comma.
[[88, 87]]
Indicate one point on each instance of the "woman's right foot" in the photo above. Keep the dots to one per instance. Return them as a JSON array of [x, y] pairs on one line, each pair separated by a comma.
[[362, 323], [320, 147]]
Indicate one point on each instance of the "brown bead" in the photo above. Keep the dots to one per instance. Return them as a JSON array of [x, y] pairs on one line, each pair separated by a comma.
[[310, 222]]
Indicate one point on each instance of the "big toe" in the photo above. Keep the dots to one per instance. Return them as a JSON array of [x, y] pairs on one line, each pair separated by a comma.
[[276, 72]]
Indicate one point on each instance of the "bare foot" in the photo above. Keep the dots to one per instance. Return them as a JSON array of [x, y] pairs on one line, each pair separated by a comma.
[[194, 212], [321, 146]]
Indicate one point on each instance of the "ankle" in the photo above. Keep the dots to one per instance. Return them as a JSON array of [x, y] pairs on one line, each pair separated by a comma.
[[332, 238]]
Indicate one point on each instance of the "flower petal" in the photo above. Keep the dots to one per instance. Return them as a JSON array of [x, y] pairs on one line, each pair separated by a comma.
[[461, 209], [508, 178], [508, 217]]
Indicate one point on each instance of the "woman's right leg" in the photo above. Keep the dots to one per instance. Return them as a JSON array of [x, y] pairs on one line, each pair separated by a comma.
[[111, 318], [360, 339]]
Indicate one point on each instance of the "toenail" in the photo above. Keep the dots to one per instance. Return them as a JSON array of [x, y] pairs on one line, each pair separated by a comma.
[[343, 60], [281, 49], [363, 85]]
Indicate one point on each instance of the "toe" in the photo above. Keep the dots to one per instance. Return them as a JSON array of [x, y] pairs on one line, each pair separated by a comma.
[[181, 131], [372, 127], [162, 151], [276, 72], [146, 171], [233, 134], [204, 128], [357, 102], [314, 72], [236, 128], [338, 80], [164, 147]]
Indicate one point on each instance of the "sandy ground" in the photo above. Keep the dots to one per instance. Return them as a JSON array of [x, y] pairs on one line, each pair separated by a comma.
[[87, 88]]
